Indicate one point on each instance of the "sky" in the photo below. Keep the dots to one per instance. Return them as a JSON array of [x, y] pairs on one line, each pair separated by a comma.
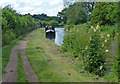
[[49, 7]]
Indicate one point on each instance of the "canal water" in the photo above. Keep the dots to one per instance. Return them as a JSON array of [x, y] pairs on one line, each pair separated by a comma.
[[59, 36]]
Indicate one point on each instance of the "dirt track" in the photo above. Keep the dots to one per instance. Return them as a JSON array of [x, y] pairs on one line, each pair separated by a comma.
[[11, 68]]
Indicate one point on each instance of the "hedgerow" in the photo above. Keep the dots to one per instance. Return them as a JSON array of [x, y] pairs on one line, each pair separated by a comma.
[[15, 25]]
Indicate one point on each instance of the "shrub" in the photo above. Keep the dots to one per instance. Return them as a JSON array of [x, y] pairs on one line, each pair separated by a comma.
[[14, 25], [94, 55]]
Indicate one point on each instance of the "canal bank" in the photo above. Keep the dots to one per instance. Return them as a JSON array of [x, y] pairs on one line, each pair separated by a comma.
[[51, 65], [111, 46]]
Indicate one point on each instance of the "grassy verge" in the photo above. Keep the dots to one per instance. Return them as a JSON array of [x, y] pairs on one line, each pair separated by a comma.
[[52, 66], [21, 73]]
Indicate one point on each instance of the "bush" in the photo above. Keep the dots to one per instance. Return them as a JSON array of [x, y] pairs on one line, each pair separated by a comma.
[[76, 41], [112, 30], [82, 41], [53, 23], [105, 13], [94, 55], [13, 25]]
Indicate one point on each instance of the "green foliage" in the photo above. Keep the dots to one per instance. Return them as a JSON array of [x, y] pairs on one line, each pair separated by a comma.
[[111, 30], [44, 23], [76, 41], [61, 24], [94, 55], [105, 13], [14, 26], [44, 17], [77, 13], [39, 22], [53, 23], [82, 41]]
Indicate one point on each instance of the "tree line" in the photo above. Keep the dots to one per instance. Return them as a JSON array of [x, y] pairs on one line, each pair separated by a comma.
[[98, 13], [14, 25]]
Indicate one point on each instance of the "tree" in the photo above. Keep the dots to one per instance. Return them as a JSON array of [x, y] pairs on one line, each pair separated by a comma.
[[105, 13], [14, 25], [53, 23], [77, 13]]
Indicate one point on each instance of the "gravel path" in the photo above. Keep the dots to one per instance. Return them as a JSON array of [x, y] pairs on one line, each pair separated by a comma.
[[11, 68]]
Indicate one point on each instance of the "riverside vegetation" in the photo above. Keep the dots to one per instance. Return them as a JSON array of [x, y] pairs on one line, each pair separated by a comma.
[[89, 40], [15, 26], [90, 26]]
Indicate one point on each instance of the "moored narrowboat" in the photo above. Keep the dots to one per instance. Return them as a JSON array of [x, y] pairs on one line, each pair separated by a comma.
[[50, 32]]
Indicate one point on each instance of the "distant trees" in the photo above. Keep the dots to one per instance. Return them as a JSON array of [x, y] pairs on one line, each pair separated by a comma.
[[40, 16], [77, 13], [105, 13], [44, 17], [14, 25], [101, 13], [54, 23]]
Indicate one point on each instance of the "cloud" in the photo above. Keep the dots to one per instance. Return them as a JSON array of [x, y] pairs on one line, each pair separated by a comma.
[[49, 7], [54, 2]]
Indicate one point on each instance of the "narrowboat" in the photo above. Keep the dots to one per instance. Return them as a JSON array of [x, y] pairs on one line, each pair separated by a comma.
[[50, 32]]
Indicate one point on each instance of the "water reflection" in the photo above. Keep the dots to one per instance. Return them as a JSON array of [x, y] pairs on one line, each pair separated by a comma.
[[58, 37]]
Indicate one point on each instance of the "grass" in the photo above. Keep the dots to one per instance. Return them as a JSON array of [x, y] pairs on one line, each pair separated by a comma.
[[52, 66], [21, 73]]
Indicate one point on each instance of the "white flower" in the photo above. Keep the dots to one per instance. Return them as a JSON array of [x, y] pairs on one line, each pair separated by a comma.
[[77, 30], [108, 35], [91, 26], [101, 67], [97, 27], [94, 30], [105, 40], [106, 50]]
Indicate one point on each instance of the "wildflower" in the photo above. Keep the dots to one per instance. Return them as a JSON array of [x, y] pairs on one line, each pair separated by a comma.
[[94, 30], [106, 50], [101, 67], [91, 27], [97, 26], [77, 30], [91, 62], [108, 35], [105, 40]]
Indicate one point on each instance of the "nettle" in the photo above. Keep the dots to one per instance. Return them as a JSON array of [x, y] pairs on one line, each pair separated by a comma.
[[94, 58]]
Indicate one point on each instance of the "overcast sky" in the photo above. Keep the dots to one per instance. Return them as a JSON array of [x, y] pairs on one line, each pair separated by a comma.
[[49, 7]]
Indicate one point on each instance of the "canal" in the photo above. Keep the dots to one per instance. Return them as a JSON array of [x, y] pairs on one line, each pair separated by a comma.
[[59, 36]]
